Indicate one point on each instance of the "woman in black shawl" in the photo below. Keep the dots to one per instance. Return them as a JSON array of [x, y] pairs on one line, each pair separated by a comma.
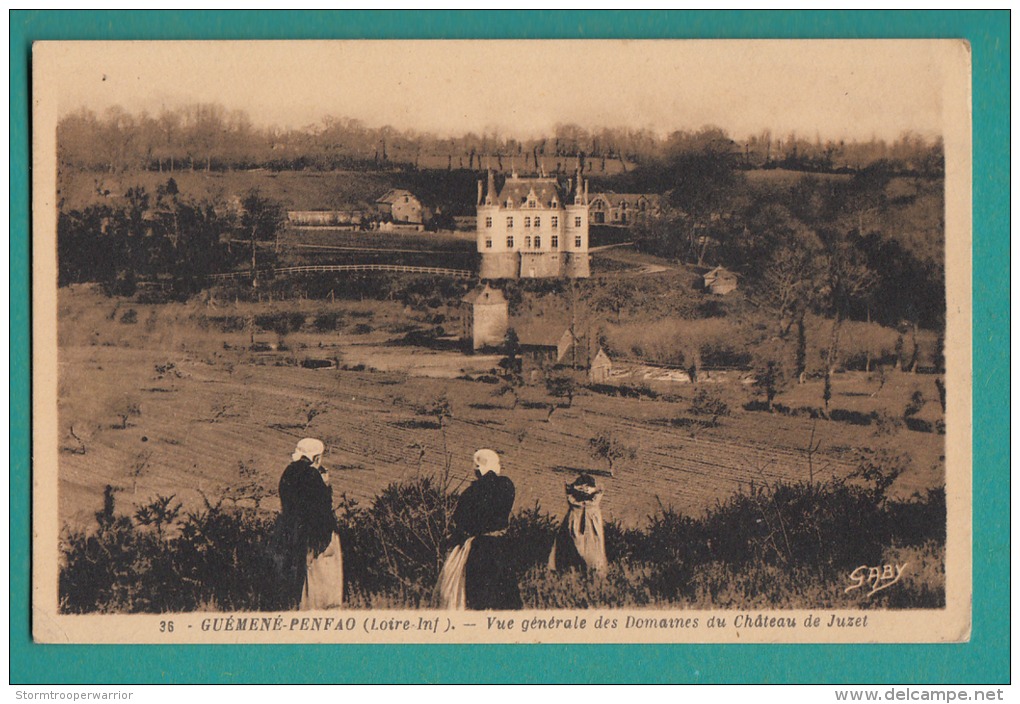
[[479, 572], [308, 556]]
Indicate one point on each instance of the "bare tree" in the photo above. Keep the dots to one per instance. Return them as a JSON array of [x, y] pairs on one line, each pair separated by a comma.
[[848, 280]]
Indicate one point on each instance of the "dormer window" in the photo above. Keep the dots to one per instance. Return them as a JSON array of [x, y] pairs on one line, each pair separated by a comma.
[[531, 204]]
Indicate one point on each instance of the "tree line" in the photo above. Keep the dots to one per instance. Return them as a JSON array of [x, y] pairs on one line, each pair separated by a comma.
[[164, 237], [210, 137]]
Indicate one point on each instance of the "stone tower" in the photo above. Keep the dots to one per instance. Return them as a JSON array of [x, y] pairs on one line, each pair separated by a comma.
[[486, 318]]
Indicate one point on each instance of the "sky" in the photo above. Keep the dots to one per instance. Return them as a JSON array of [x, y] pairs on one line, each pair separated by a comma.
[[826, 89]]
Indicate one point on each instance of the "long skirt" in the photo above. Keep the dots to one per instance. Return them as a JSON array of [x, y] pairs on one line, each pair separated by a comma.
[[324, 578], [580, 542], [451, 590], [478, 575]]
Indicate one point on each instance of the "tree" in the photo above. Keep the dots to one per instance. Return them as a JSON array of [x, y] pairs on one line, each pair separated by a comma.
[[607, 448], [261, 221], [511, 375], [560, 385], [772, 370], [847, 281], [791, 277]]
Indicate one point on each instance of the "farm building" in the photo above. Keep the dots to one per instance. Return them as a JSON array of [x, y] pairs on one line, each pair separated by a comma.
[[532, 227], [719, 280], [326, 218], [601, 367], [546, 343], [623, 208], [400, 206], [485, 318]]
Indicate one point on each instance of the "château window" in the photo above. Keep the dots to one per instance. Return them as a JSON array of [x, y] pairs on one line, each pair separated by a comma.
[[510, 242], [531, 204], [488, 222], [509, 222], [527, 222], [538, 241], [577, 241], [488, 243], [527, 241], [555, 241], [555, 221], [577, 222], [538, 221]]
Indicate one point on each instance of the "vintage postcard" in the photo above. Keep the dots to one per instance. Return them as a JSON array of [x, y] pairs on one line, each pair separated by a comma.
[[501, 341]]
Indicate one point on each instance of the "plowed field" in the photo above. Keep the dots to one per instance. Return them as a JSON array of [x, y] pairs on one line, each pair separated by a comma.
[[189, 429]]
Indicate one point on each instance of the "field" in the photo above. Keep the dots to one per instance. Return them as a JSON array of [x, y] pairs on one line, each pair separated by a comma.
[[163, 399]]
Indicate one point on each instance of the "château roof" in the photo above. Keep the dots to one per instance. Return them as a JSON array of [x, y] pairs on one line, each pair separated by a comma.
[[517, 190], [486, 295]]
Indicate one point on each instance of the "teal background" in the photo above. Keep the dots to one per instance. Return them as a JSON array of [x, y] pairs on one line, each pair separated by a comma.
[[984, 659]]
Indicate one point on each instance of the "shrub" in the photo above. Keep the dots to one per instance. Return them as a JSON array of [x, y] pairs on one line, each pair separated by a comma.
[[398, 544], [830, 527], [162, 562], [707, 403], [328, 322], [531, 533], [784, 545], [610, 449]]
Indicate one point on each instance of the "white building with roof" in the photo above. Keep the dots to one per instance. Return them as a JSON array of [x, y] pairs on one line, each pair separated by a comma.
[[533, 227], [401, 206]]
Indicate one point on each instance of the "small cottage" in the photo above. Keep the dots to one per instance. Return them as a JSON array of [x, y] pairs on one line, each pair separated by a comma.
[[401, 206], [546, 343], [485, 318], [719, 281]]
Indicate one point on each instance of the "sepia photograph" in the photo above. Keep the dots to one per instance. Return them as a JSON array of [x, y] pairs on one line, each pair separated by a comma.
[[501, 341]]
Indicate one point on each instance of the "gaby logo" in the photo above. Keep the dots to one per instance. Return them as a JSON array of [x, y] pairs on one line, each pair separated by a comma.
[[875, 578]]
